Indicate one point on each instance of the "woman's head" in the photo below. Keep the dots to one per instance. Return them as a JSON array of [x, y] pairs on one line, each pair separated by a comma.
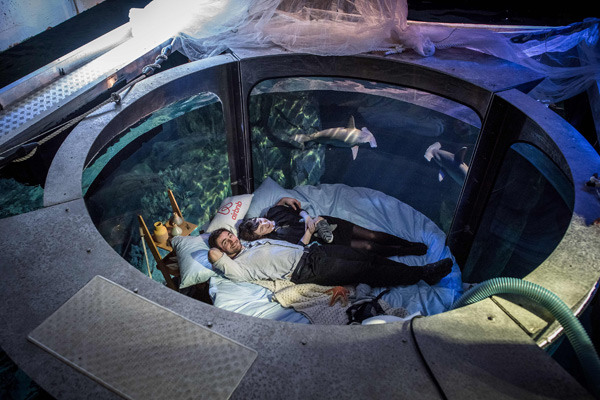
[[255, 228]]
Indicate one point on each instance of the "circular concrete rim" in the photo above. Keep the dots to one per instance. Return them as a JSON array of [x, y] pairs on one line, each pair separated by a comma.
[[90, 136], [64, 185]]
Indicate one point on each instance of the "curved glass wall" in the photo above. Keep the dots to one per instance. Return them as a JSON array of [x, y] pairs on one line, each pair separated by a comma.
[[526, 216], [181, 147], [415, 146], [409, 144]]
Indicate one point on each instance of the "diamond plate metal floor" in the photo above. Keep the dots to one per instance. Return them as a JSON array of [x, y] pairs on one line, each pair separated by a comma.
[[139, 349], [27, 117]]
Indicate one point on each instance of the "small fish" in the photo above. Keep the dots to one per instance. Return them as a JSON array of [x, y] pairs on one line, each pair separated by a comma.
[[340, 137], [453, 164]]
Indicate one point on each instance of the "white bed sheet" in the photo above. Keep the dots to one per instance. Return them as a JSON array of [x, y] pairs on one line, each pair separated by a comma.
[[371, 209]]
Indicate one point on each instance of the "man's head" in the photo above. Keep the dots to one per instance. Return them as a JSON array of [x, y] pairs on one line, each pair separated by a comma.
[[225, 241]]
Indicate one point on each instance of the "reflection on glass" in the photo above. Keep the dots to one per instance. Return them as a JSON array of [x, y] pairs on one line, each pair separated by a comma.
[[526, 216], [181, 147], [409, 144]]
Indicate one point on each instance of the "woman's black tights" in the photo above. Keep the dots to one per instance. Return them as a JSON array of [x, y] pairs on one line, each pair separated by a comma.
[[384, 244]]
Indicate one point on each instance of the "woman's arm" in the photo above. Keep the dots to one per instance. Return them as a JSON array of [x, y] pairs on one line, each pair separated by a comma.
[[295, 205], [311, 226], [290, 202]]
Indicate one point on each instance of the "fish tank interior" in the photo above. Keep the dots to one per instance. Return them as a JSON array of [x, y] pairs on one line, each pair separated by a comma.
[[527, 215], [286, 114], [183, 147], [293, 123]]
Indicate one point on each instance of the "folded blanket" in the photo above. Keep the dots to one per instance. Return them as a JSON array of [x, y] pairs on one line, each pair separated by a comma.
[[308, 299], [313, 301]]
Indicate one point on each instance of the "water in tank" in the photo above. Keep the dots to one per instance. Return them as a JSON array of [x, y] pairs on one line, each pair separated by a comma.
[[527, 214], [409, 144], [181, 147], [412, 145]]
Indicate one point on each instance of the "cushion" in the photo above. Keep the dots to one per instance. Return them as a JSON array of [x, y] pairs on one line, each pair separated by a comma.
[[268, 193], [232, 210], [192, 256]]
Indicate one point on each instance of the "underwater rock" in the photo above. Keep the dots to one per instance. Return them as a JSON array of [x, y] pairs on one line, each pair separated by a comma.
[[207, 122], [275, 120], [18, 198], [309, 166]]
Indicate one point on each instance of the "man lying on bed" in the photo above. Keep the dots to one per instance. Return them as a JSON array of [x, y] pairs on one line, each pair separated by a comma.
[[286, 220], [332, 265]]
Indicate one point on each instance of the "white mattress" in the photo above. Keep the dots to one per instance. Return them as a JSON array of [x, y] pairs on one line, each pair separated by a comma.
[[370, 209]]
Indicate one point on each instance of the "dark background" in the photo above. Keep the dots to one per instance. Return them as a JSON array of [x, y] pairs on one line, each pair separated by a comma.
[[55, 42]]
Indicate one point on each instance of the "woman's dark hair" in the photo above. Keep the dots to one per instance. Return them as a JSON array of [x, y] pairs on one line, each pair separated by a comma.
[[247, 229]]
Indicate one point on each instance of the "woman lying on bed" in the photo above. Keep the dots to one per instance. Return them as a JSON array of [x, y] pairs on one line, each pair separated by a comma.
[[287, 221]]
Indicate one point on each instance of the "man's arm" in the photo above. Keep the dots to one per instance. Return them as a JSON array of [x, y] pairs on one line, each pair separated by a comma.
[[228, 266], [214, 255]]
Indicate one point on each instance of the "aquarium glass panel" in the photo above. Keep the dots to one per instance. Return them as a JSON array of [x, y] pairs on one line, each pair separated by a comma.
[[181, 147], [527, 215], [409, 144]]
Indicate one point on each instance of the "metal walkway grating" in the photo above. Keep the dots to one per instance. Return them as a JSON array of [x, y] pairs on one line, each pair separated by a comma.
[[29, 116], [47, 98]]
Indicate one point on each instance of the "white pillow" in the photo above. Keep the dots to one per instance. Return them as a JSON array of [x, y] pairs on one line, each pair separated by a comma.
[[268, 193], [232, 210], [192, 257]]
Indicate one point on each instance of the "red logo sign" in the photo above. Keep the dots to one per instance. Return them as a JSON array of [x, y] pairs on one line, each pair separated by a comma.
[[226, 209]]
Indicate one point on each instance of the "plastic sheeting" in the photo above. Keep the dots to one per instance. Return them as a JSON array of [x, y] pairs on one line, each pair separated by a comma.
[[568, 56]]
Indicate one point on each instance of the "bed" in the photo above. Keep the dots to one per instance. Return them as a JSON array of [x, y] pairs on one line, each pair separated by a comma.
[[366, 207]]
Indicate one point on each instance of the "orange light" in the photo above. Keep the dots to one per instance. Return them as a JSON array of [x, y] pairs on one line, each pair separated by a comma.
[[111, 80]]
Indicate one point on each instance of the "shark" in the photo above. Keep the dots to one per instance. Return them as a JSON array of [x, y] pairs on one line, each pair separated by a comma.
[[451, 164], [340, 137]]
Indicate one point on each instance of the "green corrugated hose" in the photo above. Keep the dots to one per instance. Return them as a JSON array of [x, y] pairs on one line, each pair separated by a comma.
[[581, 342]]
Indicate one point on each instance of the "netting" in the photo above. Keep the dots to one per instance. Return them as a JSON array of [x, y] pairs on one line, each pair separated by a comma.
[[567, 56]]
